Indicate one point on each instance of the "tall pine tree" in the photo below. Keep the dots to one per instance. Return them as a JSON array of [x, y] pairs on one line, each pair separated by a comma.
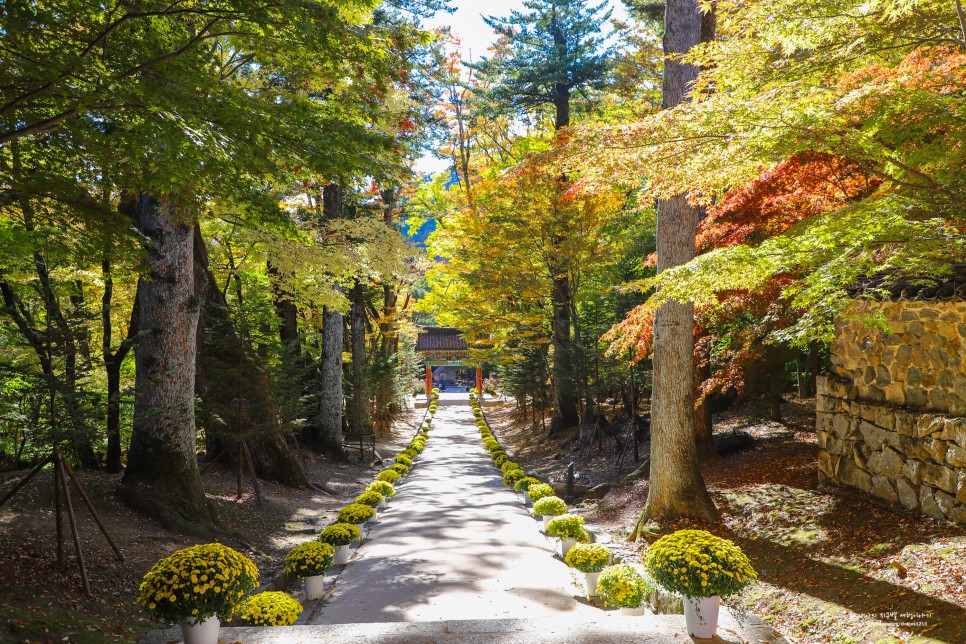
[[544, 57]]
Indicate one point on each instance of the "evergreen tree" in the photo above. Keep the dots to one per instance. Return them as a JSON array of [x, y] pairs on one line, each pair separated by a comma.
[[544, 56]]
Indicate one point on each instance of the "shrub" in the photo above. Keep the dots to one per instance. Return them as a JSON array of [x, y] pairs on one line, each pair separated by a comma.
[[417, 446], [383, 488], [500, 457], [309, 559], [405, 460], [389, 476], [372, 499], [271, 608], [355, 513], [409, 453], [400, 468], [340, 534], [538, 491], [523, 484], [490, 444], [511, 476], [623, 586], [169, 590], [550, 506], [588, 557], [695, 563], [509, 465], [567, 526]]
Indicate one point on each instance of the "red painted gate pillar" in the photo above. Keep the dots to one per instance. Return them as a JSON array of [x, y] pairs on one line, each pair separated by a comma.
[[479, 378], [429, 380]]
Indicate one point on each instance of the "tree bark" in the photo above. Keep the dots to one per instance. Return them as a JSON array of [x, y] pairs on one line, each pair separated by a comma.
[[332, 394], [565, 399], [676, 487], [360, 421], [162, 477]]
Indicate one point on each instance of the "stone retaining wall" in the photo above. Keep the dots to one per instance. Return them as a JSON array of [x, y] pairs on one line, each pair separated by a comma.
[[891, 415]]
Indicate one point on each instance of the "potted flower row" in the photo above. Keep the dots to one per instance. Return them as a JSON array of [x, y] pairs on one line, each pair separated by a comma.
[[350, 523], [203, 585]]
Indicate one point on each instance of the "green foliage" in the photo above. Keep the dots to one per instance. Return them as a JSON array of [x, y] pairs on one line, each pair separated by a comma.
[[544, 54]]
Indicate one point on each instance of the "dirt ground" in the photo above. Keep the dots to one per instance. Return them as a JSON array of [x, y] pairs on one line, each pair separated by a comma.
[[43, 602], [833, 567]]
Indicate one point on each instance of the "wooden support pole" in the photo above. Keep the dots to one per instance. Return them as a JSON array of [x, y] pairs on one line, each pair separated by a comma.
[[59, 464], [25, 480], [90, 507], [251, 472], [60, 519], [241, 465]]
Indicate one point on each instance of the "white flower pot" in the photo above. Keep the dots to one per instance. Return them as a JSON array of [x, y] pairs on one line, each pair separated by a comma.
[[361, 526], [590, 582], [342, 555], [205, 632], [701, 615], [637, 610], [566, 545], [546, 520], [314, 586]]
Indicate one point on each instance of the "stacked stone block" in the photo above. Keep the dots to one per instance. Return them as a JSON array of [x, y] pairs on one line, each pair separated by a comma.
[[891, 416]]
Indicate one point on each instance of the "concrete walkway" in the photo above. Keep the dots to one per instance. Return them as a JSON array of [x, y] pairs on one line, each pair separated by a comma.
[[455, 544]]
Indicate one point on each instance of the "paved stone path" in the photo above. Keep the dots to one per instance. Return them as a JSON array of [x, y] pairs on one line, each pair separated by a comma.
[[455, 544]]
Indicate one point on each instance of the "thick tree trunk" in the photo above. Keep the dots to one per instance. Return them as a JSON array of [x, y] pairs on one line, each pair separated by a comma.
[[162, 477], [676, 487], [330, 375], [360, 421], [565, 399], [332, 394]]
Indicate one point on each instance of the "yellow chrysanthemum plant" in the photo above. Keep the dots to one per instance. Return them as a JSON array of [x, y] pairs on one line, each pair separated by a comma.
[[624, 587], [370, 498], [389, 476], [271, 608], [383, 488], [522, 485], [340, 534], [537, 491], [568, 526], [588, 557], [309, 559], [552, 506], [512, 475], [356, 513], [695, 563], [198, 582]]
